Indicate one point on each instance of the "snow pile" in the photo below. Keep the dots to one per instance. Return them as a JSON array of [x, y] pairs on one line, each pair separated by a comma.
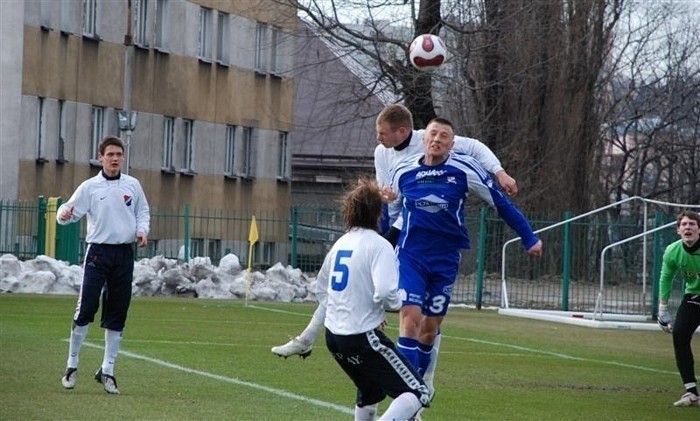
[[159, 276]]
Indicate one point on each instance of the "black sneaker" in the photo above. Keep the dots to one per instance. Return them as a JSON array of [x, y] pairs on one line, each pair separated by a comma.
[[109, 382], [70, 377]]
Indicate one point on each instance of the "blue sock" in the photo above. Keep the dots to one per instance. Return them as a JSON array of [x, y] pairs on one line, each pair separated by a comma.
[[409, 348], [424, 352]]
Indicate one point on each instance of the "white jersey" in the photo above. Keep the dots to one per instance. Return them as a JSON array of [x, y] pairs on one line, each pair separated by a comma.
[[386, 158], [358, 280], [116, 209]]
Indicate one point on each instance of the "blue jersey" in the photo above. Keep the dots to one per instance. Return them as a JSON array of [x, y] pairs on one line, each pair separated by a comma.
[[433, 199]]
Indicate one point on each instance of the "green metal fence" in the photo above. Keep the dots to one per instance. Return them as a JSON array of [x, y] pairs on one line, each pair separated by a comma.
[[566, 278]]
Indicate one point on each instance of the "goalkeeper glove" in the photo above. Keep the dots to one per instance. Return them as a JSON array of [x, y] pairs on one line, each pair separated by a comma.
[[664, 318]]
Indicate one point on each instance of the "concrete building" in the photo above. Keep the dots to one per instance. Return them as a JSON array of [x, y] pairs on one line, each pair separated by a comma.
[[211, 88], [209, 82]]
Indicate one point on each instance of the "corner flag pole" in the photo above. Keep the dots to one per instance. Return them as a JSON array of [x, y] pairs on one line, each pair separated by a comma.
[[252, 239]]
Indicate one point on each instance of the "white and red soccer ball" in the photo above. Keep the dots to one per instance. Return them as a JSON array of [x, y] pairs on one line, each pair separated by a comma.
[[427, 52]]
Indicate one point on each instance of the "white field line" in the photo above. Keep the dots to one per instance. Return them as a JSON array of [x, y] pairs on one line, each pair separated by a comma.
[[238, 382], [276, 310], [562, 356], [522, 348]]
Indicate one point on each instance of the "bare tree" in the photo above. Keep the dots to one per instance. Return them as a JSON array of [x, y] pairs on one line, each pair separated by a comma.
[[650, 140], [530, 78]]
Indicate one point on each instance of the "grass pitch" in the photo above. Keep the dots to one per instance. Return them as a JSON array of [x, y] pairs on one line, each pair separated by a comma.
[[194, 359]]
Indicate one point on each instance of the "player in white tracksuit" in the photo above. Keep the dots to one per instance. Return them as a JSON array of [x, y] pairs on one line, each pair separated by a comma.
[[357, 282], [118, 215]]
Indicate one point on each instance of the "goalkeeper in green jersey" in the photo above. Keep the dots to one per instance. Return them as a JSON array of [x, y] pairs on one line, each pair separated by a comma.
[[683, 258]]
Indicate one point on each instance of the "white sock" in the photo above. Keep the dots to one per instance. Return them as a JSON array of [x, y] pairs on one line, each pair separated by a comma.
[[77, 337], [404, 407], [308, 336], [366, 413], [113, 340], [429, 376]]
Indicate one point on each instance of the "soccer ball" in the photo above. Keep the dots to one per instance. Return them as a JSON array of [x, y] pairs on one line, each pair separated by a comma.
[[427, 52]]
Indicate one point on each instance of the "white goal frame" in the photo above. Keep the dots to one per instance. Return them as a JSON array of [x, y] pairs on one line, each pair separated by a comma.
[[597, 318]]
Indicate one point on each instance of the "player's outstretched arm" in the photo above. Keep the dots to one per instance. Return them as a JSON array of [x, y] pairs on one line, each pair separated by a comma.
[[536, 250], [508, 183]]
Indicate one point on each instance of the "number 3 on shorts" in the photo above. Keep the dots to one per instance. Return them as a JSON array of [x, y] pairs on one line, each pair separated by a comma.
[[438, 304]]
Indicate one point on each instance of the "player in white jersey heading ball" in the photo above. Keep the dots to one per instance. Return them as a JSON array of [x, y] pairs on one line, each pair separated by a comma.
[[398, 141]]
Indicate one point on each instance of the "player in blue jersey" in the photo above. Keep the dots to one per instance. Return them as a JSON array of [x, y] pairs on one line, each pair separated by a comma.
[[398, 141], [118, 215], [357, 282], [433, 189]]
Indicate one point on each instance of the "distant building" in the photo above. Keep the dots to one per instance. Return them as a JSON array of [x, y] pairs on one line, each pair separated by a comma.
[[212, 90], [211, 87]]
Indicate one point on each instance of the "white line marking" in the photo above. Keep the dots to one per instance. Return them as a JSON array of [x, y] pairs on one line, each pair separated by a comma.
[[238, 382], [275, 310], [536, 351], [563, 356], [153, 341]]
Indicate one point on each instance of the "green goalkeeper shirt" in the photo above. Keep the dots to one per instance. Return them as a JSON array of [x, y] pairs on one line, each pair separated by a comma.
[[678, 260]]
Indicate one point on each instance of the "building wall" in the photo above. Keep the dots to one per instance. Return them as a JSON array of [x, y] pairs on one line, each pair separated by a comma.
[[53, 66], [11, 36]]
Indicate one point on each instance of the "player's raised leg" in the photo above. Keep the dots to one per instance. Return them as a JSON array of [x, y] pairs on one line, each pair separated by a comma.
[[302, 344]]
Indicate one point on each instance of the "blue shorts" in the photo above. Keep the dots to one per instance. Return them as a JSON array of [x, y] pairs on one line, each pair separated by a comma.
[[426, 281]]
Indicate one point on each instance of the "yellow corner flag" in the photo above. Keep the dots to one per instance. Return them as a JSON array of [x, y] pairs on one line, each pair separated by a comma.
[[252, 239], [253, 236]]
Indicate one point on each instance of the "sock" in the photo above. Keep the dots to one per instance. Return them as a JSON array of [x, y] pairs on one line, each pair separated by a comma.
[[366, 413], [409, 348], [404, 407], [77, 337], [424, 353], [429, 376], [308, 336], [113, 340], [692, 388]]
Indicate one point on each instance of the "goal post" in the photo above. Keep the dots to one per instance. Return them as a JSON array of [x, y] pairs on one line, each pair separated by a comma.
[[605, 313]]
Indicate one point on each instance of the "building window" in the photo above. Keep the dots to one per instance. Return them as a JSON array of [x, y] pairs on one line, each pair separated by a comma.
[[41, 131], [205, 31], [246, 153], [140, 13], [90, 18], [113, 123], [230, 164], [61, 153], [282, 173], [188, 146], [214, 251], [264, 255], [222, 38], [275, 50], [261, 48], [162, 23], [69, 17], [46, 7], [97, 131], [196, 247], [168, 142]]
